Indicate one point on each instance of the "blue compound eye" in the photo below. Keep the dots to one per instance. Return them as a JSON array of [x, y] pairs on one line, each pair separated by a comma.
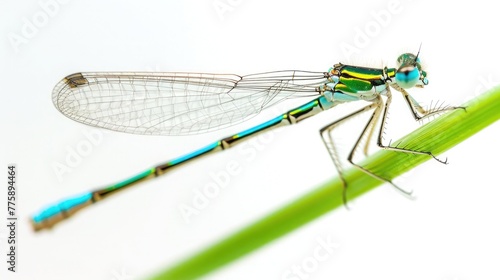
[[407, 76]]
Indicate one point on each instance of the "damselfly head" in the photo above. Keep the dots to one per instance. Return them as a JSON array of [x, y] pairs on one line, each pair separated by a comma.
[[409, 73]]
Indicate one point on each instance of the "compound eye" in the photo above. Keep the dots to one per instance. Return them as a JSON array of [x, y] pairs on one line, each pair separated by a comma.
[[407, 76], [424, 79]]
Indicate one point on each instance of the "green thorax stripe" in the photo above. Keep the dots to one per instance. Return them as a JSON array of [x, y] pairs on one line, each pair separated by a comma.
[[363, 73]]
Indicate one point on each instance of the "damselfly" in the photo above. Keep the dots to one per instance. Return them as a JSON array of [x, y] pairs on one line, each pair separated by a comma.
[[190, 103]]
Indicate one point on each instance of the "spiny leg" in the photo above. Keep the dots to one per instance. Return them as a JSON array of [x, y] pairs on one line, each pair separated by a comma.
[[371, 122], [326, 136], [384, 122], [372, 130], [417, 109]]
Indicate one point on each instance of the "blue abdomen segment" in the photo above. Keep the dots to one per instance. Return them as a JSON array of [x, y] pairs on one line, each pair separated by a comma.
[[66, 208], [195, 153], [257, 128], [63, 207]]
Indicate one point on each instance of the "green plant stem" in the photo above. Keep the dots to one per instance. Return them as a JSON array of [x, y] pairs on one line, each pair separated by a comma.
[[436, 136]]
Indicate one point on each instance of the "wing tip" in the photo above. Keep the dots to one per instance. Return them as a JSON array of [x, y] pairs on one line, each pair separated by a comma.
[[76, 80]]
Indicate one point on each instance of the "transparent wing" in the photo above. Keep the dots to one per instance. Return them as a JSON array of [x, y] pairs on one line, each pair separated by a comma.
[[176, 103]]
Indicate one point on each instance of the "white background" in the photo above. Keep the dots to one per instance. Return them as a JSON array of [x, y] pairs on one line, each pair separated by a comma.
[[451, 232]]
